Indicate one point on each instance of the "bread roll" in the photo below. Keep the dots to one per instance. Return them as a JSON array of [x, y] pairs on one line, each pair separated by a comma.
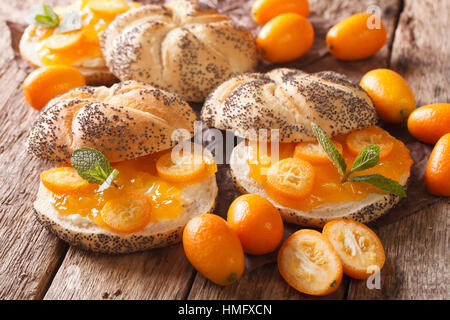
[[93, 69], [184, 46], [128, 120], [288, 100], [365, 210]]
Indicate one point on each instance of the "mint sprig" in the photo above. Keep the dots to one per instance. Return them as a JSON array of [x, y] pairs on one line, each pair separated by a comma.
[[367, 158], [93, 167], [44, 16]]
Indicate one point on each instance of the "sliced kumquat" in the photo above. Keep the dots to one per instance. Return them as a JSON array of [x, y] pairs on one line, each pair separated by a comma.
[[184, 167], [128, 213], [111, 7], [65, 180], [63, 41], [291, 177], [313, 152], [359, 248], [357, 140], [309, 263]]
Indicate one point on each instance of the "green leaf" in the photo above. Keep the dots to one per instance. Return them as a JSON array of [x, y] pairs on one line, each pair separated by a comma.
[[382, 183], [91, 165], [42, 16], [109, 180], [71, 21], [330, 149], [367, 158]]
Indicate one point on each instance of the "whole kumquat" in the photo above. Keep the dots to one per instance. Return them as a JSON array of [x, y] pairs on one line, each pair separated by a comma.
[[391, 94], [437, 172], [357, 37], [265, 10], [429, 123], [214, 249], [43, 84], [257, 223], [286, 37]]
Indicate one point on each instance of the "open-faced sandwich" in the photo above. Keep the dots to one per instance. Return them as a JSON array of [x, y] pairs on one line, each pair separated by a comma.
[[332, 161], [127, 179], [183, 46], [69, 35]]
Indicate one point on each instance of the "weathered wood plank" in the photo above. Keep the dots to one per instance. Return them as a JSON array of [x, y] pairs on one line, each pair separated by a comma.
[[28, 253], [265, 282], [157, 274], [417, 246]]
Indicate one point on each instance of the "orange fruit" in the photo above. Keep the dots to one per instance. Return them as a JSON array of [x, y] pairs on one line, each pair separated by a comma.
[[265, 10], [437, 172], [286, 37], [65, 180], [257, 223], [185, 167], [214, 249], [390, 93], [130, 212], [43, 84], [354, 39], [359, 248], [429, 123], [291, 177], [357, 140], [309, 263], [313, 152]]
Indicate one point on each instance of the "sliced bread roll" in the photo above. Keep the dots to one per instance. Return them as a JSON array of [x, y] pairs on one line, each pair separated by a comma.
[[84, 233], [365, 210]]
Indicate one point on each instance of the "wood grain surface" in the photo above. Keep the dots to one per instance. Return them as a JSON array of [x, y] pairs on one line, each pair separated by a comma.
[[34, 264]]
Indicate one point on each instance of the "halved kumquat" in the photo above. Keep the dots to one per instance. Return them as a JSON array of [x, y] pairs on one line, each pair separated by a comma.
[[359, 139], [65, 180], [309, 263], [359, 248], [109, 7]]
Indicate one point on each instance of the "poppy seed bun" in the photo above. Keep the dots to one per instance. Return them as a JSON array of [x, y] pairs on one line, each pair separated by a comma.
[[183, 46], [365, 210], [93, 69], [80, 231], [288, 100], [128, 120]]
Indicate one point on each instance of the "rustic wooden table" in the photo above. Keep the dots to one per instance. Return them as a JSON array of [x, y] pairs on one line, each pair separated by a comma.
[[34, 264]]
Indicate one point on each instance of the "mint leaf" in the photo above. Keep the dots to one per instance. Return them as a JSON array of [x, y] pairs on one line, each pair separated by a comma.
[[91, 165], [367, 158], [42, 16], [71, 21], [108, 181], [330, 149], [382, 183]]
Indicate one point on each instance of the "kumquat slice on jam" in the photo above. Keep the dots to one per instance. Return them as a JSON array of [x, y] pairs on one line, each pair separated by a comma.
[[65, 180], [291, 177], [357, 140], [313, 152], [180, 168], [130, 212]]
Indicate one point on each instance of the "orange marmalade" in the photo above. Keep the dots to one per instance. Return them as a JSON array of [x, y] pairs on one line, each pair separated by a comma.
[[137, 178], [71, 47], [395, 163]]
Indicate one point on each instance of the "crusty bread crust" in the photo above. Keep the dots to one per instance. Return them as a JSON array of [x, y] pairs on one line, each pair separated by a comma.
[[368, 209], [94, 70], [128, 120], [288, 100], [82, 232], [184, 46]]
